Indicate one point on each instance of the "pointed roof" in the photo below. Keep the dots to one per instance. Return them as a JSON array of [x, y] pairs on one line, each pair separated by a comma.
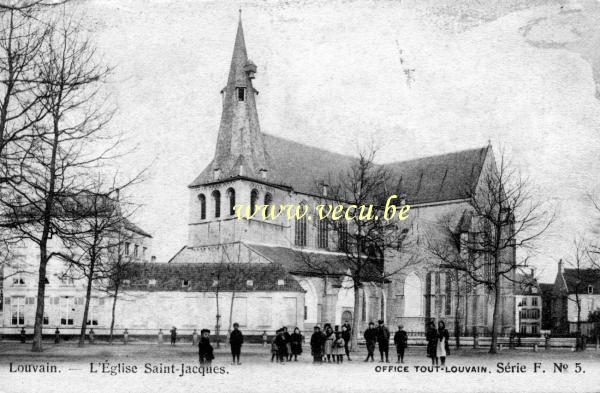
[[240, 146]]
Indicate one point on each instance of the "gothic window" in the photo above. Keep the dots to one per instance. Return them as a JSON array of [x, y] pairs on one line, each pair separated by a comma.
[[231, 195], [268, 199], [343, 236], [413, 296], [322, 232], [428, 294], [217, 202], [300, 228], [241, 93], [202, 200], [448, 310], [253, 201]]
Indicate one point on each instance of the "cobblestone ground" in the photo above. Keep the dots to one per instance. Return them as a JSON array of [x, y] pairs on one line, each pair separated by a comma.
[[466, 370]]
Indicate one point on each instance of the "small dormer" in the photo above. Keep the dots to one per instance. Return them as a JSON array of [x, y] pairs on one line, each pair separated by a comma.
[[250, 69]]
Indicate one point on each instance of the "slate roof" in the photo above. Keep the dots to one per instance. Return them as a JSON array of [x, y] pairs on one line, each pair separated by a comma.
[[424, 180], [134, 228], [578, 281], [201, 276], [309, 263]]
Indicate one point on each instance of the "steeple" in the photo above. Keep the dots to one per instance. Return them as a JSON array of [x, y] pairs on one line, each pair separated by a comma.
[[240, 147]]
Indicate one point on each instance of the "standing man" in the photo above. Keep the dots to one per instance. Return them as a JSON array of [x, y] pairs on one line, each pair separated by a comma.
[[22, 335], [401, 341], [56, 336], [383, 340], [370, 338], [173, 336], [236, 339]]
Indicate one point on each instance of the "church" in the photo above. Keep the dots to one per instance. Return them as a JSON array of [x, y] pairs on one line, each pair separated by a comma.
[[270, 287], [251, 168]]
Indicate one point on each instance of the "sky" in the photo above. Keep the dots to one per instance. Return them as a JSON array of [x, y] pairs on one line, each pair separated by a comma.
[[521, 74]]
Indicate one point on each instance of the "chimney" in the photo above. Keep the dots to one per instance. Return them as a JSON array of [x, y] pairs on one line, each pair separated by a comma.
[[216, 173], [153, 258], [325, 189]]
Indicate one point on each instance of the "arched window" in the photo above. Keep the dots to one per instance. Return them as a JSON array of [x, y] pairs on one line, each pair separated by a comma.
[[300, 228], [268, 198], [231, 196], [253, 201], [343, 236], [413, 296], [202, 200], [322, 234], [448, 310], [217, 201]]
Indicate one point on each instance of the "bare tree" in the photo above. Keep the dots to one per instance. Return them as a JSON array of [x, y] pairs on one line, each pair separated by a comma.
[[66, 150], [121, 266], [95, 239], [362, 239], [504, 216]]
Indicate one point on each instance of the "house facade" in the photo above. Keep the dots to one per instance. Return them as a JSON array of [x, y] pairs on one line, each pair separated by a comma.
[[64, 290], [575, 294]]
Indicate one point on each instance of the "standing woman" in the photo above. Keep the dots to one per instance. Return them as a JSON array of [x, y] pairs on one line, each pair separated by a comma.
[[346, 337], [329, 339], [296, 343], [443, 348], [432, 339], [288, 343]]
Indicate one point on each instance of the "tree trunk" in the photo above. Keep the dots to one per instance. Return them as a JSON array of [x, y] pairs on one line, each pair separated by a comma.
[[496, 317], [39, 311], [231, 313], [355, 319], [86, 309], [218, 318], [112, 320]]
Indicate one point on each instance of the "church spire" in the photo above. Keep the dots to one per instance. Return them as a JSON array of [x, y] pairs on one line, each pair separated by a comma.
[[240, 147]]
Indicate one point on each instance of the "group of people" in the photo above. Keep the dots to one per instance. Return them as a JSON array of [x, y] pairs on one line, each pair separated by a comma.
[[380, 335], [206, 350], [437, 343], [285, 346], [330, 345]]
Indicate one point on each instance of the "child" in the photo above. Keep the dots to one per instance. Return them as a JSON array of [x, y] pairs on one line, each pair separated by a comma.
[[281, 346], [205, 350], [338, 348], [274, 347]]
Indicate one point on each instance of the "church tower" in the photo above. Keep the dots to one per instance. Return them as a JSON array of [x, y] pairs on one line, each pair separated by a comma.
[[240, 147], [239, 171]]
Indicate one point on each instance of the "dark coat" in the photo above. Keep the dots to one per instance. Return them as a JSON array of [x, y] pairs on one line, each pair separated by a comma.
[[346, 336], [281, 345], [236, 338], [316, 344], [401, 339], [296, 339], [205, 350], [383, 334], [432, 338], [371, 335], [445, 334]]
